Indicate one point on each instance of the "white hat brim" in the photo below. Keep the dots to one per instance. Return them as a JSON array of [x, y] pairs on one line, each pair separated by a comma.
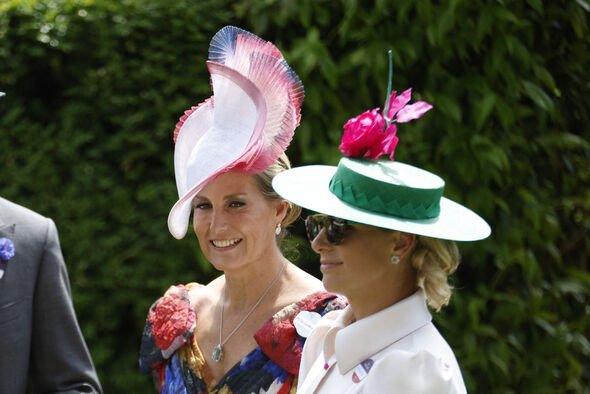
[[308, 187]]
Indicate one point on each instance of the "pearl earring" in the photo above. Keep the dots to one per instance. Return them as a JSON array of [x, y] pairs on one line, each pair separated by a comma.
[[395, 259], [278, 229]]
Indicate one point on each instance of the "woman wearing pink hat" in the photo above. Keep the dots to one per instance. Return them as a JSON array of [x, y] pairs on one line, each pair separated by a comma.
[[385, 236], [244, 331]]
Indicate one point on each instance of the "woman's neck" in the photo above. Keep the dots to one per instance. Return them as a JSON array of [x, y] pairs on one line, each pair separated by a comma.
[[244, 287], [368, 302]]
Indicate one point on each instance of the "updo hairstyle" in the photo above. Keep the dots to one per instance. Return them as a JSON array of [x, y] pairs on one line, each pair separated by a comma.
[[434, 260]]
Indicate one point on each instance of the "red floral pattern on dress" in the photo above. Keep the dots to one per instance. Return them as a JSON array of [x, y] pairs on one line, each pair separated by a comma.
[[172, 317], [271, 367], [278, 337]]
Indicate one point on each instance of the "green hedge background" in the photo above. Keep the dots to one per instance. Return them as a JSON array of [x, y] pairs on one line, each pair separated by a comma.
[[95, 87]]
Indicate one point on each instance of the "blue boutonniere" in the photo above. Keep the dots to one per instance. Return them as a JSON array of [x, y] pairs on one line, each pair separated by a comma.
[[6, 249], [6, 253]]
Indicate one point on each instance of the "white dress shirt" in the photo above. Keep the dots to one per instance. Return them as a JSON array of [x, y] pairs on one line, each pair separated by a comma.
[[396, 350]]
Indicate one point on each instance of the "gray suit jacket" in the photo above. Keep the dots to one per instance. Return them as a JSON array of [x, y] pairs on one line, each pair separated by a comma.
[[41, 346]]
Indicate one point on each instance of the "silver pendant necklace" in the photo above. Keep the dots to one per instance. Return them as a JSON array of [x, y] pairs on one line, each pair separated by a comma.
[[217, 353]]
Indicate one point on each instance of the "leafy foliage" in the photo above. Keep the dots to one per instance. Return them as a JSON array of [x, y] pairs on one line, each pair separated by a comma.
[[94, 89]]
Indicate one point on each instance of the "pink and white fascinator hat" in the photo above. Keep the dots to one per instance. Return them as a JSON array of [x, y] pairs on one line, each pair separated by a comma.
[[245, 126], [364, 188]]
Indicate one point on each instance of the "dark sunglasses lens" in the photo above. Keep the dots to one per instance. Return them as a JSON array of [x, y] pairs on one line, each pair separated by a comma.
[[312, 227], [335, 228]]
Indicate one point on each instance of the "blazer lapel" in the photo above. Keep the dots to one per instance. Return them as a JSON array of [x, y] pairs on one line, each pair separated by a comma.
[[7, 229]]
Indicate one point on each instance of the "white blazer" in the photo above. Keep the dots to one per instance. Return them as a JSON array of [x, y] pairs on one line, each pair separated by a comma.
[[396, 350]]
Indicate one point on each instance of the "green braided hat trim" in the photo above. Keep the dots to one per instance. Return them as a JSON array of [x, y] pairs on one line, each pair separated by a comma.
[[386, 198]]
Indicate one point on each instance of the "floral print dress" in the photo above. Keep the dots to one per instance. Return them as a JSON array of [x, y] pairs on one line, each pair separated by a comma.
[[170, 351]]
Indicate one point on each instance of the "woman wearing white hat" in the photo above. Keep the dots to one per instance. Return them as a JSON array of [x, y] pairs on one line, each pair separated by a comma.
[[385, 239], [242, 332]]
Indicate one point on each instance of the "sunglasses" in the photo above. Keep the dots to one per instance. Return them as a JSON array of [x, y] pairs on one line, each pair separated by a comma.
[[336, 228]]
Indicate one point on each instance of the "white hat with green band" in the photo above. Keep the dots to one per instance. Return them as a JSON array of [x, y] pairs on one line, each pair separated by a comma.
[[384, 193]]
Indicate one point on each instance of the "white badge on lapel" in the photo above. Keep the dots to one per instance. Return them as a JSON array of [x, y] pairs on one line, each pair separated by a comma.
[[305, 321]]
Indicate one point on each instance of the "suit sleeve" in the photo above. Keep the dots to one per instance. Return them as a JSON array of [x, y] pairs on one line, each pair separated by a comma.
[[60, 360]]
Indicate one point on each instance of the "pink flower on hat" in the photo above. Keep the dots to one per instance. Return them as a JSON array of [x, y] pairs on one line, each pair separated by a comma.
[[365, 136], [373, 134]]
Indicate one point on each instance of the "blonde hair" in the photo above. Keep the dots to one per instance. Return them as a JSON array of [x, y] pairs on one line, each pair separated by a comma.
[[434, 260], [264, 182]]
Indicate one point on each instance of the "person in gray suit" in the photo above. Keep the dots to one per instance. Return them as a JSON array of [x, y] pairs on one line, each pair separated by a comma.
[[42, 349]]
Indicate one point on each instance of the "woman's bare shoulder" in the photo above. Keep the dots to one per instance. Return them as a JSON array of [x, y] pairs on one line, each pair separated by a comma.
[[202, 296]]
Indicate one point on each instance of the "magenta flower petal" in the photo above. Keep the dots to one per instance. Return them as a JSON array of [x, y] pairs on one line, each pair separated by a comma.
[[399, 102], [389, 145], [389, 141], [361, 133], [370, 136], [413, 111]]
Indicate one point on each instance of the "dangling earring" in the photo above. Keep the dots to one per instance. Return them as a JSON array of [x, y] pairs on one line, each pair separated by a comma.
[[278, 229], [394, 259]]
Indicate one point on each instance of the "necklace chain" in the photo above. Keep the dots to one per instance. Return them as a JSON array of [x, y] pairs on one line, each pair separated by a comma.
[[218, 350]]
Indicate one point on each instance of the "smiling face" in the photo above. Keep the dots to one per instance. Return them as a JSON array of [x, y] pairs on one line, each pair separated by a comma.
[[360, 267], [234, 223]]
